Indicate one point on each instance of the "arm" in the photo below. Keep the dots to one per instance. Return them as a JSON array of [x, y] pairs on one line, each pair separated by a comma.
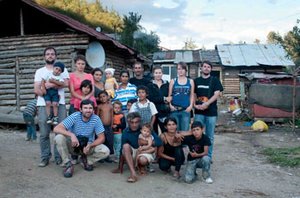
[[148, 145], [169, 98], [60, 129], [73, 93], [100, 140], [152, 120], [38, 88], [56, 82], [191, 96], [116, 84], [43, 87], [205, 105], [161, 154], [197, 155]]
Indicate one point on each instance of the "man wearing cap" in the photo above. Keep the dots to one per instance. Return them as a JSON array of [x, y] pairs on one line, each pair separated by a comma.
[[40, 74], [207, 92]]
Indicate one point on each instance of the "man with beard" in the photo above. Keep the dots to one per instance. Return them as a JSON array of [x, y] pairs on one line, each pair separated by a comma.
[[40, 74], [76, 135], [138, 79], [207, 91]]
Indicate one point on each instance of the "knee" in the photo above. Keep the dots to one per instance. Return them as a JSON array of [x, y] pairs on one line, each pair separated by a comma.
[[126, 148], [59, 139], [142, 161], [206, 160]]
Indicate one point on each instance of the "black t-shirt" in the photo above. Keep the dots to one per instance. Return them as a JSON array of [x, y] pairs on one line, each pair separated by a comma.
[[196, 145], [137, 82], [204, 89]]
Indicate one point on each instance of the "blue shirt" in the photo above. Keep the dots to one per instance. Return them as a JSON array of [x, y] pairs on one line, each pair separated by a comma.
[[123, 95], [78, 126]]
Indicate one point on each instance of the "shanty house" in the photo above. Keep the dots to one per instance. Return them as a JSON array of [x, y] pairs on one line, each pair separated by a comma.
[[27, 29]]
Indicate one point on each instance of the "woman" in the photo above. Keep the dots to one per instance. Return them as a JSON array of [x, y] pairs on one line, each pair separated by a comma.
[[126, 90], [161, 90], [181, 97], [170, 153], [98, 84], [76, 78]]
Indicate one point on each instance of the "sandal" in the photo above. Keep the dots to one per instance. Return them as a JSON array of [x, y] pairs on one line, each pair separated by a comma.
[[132, 179]]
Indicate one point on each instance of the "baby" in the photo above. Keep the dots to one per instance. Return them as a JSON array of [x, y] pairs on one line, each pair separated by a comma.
[[51, 94], [110, 83], [145, 149]]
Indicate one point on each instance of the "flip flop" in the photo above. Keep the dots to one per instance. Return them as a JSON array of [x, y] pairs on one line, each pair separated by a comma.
[[132, 179]]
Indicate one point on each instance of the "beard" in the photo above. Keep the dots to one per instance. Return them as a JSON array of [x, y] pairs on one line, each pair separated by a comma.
[[50, 62]]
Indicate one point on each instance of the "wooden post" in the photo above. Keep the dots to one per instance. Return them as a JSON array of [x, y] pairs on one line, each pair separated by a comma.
[[294, 100], [21, 22], [17, 84]]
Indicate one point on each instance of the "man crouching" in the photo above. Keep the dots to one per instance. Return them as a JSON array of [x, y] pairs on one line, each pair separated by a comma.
[[76, 135]]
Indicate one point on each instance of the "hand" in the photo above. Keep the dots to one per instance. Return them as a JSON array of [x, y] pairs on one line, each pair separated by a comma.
[[193, 154], [49, 85], [189, 109], [168, 99], [204, 106], [179, 136], [86, 149], [74, 141], [172, 108], [140, 148]]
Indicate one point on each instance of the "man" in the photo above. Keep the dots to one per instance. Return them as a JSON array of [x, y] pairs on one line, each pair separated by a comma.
[[76, 135], [130, 145], [138, 79], [40, 74], [207, 91]]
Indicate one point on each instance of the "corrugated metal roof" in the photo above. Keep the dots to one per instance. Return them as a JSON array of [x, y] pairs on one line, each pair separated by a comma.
[[253, 55], [187, 56], [78, 25]]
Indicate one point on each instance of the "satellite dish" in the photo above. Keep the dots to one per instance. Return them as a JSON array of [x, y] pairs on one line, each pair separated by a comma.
[[95, 54]]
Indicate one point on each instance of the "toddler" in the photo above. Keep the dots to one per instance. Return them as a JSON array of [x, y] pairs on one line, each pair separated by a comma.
[[110, 82]]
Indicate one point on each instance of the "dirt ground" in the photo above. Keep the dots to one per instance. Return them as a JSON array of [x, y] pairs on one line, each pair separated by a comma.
[[238, 170]]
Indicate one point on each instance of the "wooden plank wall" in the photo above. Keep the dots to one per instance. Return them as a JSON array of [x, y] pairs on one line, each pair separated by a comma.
[[20, 57], [231, 82]]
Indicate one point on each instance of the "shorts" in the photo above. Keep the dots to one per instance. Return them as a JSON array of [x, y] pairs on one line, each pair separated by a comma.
[[51, 95]]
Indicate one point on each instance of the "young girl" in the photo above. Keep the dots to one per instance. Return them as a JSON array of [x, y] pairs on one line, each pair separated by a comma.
[[110, 83], [145, 150], [86, 88], [119, 124]]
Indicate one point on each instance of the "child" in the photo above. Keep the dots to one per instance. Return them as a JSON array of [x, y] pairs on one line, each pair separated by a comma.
[[144, 107], [110, 82], [145, 149], [119, 124], [51, 94], [198, 144], [86, 88], [105, 112], [28, 114]]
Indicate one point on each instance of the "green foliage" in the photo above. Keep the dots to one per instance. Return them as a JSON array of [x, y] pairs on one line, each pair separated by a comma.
[[189, 44], [283, 156], [90, 13], [290, 41], [133, 36]]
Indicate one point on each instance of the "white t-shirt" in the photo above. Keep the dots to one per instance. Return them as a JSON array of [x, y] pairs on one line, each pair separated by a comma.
[[52, 76], [43, 73], [140, 105]]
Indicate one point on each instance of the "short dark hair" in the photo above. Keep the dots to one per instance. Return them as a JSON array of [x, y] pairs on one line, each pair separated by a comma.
[[133, 115], [138, 63], [86, 83], [102, 92], [79, 57], [183, 65], [168, 119], [49, 48], [142, 87], [117, 102], [197, 124], [132, 101], [207, 62], [86, 102], [97, 69]]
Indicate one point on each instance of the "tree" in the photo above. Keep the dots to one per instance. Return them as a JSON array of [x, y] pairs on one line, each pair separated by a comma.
[[189, 44], [257, 41], [147, 43], [90, 13], [290, 42], [131, 25]]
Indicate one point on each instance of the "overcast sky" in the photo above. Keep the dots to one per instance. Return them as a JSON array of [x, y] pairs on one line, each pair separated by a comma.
[[211, 22]]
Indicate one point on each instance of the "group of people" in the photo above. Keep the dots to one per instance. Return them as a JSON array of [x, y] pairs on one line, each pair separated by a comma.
[[137, 121]]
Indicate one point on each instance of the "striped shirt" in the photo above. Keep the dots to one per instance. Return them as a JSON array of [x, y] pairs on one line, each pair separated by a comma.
[[123, 95], [76, 125], [30, 108]]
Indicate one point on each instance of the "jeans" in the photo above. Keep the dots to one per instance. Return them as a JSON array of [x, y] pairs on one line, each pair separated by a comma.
[[209, 124], [64, 147], [45, 129], [165, 164], [183, 119], [191, 166], [117, 144], [30, 125]]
